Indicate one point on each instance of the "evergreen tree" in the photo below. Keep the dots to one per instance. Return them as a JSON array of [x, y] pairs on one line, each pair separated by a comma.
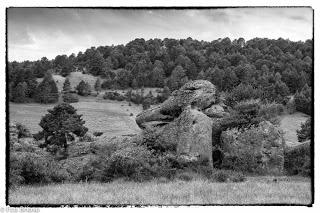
[[61, 124], [66, 86], [134, 84], [304, 133], [47, 91], [66, 70], [97, 85], [303, 100], [177, 79], [83, 88], [18, 94]]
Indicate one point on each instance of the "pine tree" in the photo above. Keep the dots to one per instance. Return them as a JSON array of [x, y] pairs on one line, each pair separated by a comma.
[[47, 91], [61, 124], [66, 86], [18, 94], [304, 133], [177, 79], [97, 85]]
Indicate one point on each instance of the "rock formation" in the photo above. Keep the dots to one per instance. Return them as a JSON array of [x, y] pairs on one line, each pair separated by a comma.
[[184, 119], [193, 119]]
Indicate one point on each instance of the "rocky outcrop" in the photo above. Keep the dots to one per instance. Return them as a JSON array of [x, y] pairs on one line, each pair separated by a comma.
[[198, 94], [184, 120], [191, 133]]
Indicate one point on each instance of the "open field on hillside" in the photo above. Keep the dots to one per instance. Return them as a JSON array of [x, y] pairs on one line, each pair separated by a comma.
[[289, 124], [256, 190], [110, 117]]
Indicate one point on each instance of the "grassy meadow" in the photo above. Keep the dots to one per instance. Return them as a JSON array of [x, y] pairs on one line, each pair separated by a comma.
[[110, 117], [256, 190], [289, 123]]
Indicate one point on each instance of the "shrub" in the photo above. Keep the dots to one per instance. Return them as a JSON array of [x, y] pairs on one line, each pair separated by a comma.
[[23, 131], [221, 176], [240, 93], [87, 138], [28, 168], [252, 150], [304, 133], [303, 100], [186, 175], [271, 111], [83, 88], [114, 96], [228, 175], [297, 160], [70, 98], [97, 134]]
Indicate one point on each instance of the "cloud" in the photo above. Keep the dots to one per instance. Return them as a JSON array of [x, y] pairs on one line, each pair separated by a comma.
[[37, 32]]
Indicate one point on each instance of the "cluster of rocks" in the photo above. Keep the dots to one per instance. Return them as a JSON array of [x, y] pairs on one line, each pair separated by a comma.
[[190, 118]]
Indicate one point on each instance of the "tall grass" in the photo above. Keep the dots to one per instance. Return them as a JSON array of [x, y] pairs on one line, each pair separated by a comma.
[[256, 191]]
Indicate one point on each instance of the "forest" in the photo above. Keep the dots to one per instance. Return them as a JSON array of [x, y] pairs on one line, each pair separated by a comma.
[[273, 70]]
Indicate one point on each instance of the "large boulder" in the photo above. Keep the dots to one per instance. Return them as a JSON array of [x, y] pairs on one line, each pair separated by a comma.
[[199, 94], [191, 132], [182, 120]]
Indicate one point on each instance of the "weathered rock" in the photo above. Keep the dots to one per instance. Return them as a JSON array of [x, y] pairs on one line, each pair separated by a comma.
[[192, 134], [264, 143], [199, 94], [215, 111]]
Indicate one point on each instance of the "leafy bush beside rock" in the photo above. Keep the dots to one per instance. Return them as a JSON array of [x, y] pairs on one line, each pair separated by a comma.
[[254, 150]]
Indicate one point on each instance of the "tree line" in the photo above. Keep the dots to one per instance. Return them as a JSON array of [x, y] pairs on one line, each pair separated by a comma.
[[271, 69]]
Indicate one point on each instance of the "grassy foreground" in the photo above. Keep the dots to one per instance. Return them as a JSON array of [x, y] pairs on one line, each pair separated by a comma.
[[253, 191]]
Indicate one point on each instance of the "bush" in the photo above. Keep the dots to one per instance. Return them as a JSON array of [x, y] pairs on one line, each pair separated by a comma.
[[187, 175], [228, 175], [303, 100], [297, 160], [304, 133], [83, 88], [131, 162], [255, 150], [23, 131], [97, 134], [70, 98], [240, 93], [271, 111], [32, 168], [114, 96]]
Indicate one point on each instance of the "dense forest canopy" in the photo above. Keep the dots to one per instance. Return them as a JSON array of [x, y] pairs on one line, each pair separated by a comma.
[[271, 66]]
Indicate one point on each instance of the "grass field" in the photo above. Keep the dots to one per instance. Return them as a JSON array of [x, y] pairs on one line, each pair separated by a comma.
[[289, 124], [110, 117], [254, 191]]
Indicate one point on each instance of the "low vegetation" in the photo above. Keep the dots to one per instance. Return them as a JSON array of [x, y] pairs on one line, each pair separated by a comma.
[[254, 191]]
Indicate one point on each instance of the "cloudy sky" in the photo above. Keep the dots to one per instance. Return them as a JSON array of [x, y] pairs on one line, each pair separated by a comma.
[[37, 32]]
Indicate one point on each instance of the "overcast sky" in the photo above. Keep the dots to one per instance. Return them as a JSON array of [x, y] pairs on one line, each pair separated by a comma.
[[37, 32]]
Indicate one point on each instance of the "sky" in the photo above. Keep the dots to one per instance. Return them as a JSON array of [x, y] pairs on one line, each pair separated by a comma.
[[37, 32]]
